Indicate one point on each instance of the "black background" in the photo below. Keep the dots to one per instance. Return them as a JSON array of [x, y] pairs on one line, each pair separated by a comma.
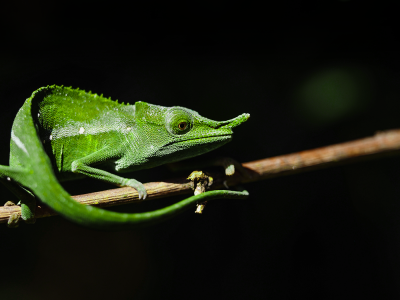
[[310, 75]]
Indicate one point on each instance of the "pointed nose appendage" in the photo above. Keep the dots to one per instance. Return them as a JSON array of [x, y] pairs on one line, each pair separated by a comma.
[[238, 120], [232, 123]]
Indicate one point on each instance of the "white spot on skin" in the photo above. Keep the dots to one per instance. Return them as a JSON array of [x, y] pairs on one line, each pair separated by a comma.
[[38, 115], [50, 137], [18, 142], [8, 179], [81, 130], [94, 128]]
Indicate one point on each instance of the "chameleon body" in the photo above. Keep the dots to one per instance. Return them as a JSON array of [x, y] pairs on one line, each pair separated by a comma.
[[62, 133]]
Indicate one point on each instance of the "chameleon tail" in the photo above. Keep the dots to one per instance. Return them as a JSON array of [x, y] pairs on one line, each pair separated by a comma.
[[60, 201]]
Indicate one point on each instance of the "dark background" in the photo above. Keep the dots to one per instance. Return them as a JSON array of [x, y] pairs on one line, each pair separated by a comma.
[[310, 75]]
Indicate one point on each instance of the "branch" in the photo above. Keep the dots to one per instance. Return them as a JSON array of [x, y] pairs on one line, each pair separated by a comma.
[[382, 144]]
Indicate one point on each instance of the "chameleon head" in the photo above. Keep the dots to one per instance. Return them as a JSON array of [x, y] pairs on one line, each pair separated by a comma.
[[181, 132]]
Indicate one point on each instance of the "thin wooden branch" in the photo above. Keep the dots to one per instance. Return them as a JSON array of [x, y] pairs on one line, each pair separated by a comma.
[[383, 143]]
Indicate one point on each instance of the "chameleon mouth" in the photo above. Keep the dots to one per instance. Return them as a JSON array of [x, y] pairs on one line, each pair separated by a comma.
[[208, 139], [202, 140]]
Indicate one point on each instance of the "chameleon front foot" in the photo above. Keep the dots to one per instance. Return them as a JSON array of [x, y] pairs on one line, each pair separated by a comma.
[[137, 186]]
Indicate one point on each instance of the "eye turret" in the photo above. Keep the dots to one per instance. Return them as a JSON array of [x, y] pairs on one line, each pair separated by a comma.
[[178, 121]]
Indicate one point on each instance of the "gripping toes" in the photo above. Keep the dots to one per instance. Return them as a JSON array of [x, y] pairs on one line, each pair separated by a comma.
[[137, 186]]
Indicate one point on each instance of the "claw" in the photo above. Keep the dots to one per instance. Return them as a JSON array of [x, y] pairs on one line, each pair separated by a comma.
[[14, 220], [142, 192], [138, 186]]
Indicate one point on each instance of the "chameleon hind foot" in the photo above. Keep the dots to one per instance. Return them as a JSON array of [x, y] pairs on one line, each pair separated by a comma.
[[13, 220], [27, 214]]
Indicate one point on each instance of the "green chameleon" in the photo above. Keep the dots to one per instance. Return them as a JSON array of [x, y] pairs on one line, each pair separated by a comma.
[[62, 133]]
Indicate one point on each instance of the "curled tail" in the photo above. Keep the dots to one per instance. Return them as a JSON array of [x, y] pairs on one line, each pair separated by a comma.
[[60, 201]]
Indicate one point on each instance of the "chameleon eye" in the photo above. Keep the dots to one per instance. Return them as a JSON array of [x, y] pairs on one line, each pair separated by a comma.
[[178, 121], [182, 125]]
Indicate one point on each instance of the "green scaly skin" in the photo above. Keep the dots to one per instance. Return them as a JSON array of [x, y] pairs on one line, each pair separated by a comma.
[[62, 133]]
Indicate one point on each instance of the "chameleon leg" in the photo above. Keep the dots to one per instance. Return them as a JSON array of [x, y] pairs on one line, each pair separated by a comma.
[[27, 199], [82, 166]]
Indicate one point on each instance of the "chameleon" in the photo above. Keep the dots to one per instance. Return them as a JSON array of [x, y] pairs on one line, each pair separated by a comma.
[[61, 133]]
